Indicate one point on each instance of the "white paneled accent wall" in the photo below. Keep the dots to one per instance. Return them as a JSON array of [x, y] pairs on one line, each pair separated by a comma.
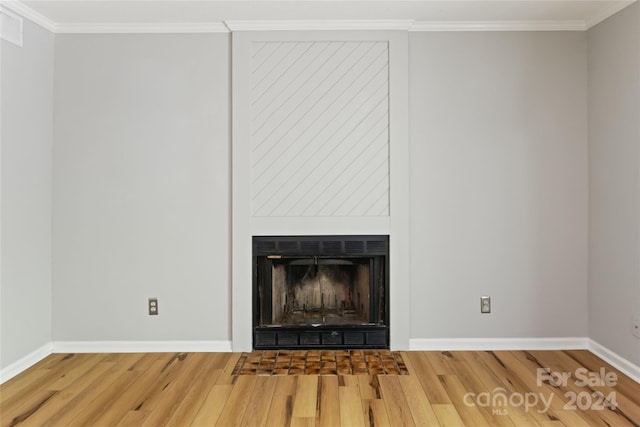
[[319, 128]]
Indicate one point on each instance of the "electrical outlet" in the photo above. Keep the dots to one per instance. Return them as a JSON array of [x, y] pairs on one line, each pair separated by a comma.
[[636, 326], [153, 306], [485, 305]]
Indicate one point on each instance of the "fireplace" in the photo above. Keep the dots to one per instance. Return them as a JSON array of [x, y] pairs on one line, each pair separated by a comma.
[[326, 292]]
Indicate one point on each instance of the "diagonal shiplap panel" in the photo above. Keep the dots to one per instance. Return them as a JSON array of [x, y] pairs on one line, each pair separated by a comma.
[[320, 129]]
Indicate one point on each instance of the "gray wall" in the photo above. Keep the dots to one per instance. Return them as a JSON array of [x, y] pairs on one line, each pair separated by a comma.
[[498, 130], [614, 181], [141, 187], [26, 135]]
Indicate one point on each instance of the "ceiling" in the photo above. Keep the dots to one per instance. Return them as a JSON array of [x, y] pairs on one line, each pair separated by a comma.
[[65, 16]]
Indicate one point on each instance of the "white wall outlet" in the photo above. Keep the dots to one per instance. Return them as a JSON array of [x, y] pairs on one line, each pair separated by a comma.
[[153, 306], [485, 305], [636, 326]]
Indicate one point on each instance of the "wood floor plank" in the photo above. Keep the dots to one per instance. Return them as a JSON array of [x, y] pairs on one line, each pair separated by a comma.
[[419, 405], [236, 405], [172, 367], [303, 422], [348, 380], [226, 377], [448, 415], [520, 415], [571, 419], [471, 415], [350, 407], [102, 404], [281, 410], [440, 361], [212, 406], [377, 414], [260, 401], [133, 418], [194, 392], [125, 400], [12, 387], [55, 359], [20, 411], [80, 369], [369, 387], [61, 400], [192, 374], [395, 401], [304, 404], [89, 399], [369, 390], [419, 365], [554, 423], [194, 398], [329, 402], [220, 361], [53, 370]]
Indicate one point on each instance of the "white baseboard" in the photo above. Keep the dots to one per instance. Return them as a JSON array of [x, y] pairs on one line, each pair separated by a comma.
[[480, 344], [140, 346], [25, 362], [618, 362]]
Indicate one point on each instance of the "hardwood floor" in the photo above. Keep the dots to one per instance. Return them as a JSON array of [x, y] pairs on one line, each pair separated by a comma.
[[496, 388]]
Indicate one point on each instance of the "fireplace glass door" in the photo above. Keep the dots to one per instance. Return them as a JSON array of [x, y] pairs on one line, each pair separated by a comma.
[[320, 291]]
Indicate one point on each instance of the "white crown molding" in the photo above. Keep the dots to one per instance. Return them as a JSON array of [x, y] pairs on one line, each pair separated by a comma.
[[487, 344], [11, 26], [615, 360], [499, 26], [612, 9], [338, 25], [25, 362], [341, 25], [142, 28], [140, 346], [30, 14]]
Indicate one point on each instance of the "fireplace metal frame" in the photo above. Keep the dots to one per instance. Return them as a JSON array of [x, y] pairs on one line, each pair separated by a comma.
[[374, 335]]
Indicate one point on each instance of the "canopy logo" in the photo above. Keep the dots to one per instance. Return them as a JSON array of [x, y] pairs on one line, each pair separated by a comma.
[[499, 401]]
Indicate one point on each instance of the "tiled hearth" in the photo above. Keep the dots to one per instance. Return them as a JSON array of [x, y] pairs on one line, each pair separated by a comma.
[[321, 362]]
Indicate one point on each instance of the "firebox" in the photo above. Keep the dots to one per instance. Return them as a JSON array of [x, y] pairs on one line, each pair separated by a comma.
[[326, 292]]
